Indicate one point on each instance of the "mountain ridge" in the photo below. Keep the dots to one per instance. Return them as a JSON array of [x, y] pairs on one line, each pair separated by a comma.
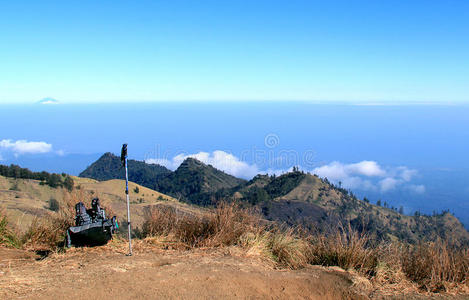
[[109, 166], [296, 199]]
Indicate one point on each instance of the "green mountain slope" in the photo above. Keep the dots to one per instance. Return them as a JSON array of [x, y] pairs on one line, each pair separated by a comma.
[[294, 198], [196, 182], [303, 199], [109, 166], [193, 181]]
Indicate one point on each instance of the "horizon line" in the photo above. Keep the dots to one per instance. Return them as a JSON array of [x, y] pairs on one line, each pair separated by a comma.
[[305, 101]]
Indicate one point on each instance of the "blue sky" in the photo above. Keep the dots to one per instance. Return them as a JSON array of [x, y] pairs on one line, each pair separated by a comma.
[[111, 51]]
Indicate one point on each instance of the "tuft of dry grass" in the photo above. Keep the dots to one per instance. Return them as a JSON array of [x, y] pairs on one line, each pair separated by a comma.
[[436, 266], [227, 225], [288, 249], [49, 233], [345, 248], [8, 236], [223, 227]]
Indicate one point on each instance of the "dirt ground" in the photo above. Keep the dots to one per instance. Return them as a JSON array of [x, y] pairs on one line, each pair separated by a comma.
[[106, 273]]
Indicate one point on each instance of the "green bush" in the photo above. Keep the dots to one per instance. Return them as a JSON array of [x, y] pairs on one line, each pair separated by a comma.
[[8, 237], [54, 204]]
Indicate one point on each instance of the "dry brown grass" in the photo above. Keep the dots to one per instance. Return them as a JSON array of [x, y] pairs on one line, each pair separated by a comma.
[[346, 248], [47, 234], [228, 225], [223, 227], [436, 266], [288, 249], [433, 267], [8, 234]]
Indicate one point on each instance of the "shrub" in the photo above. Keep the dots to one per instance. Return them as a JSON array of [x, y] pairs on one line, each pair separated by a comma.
[[54, 204], [14, 187], [54, 180], [68, 183], [8, 237], [346, 248]]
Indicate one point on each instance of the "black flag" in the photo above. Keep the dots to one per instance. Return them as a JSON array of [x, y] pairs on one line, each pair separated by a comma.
[[123, 154]]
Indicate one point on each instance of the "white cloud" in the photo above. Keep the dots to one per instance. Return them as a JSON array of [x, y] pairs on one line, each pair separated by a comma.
[[338, 171], [219, 159], [366, 168], [25, 147], [388, 184], [333, 171], [419, 189], [406, 174], [358, 183], [364, 175], [48, 101]]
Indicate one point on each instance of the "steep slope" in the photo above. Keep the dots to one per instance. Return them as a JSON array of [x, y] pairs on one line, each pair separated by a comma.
[[294, 198], [193, 181], [196, 182], [298, 198], [26, 199], [109, 166]]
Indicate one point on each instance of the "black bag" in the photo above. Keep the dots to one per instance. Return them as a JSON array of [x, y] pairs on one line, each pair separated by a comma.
[[91, 226]]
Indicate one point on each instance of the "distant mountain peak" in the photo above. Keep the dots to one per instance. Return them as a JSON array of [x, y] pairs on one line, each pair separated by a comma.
[[109, 166], [190, 161], [48, 100]]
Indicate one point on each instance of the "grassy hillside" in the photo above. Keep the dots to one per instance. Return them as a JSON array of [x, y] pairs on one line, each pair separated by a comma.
[[25, 199], [196, 182], [295, 198], [193, 181], [109, 166], [166, 223], [299, 198]]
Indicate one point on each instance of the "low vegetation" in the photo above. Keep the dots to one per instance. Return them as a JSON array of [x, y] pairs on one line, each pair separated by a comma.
[[8, 237], [433, 267], [48, 234], [51, 179], [436, 266], [44, 233], [295, 198], [109, 166]]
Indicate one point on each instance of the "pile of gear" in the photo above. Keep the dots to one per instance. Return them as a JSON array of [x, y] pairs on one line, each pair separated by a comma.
[[92, 228]]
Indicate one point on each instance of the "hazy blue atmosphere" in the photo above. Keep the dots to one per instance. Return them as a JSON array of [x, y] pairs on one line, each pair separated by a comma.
[[371, 94], [419, 151], [343, 50]]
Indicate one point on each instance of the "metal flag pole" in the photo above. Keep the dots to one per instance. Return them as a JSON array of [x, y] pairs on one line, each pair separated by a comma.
[[124, 160]]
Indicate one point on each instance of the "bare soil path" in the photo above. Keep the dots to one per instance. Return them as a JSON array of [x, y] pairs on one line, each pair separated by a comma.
[[104, 273]]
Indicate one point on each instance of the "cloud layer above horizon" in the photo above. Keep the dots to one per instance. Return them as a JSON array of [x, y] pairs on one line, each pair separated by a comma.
[[25, 147], [221, 160], [365, 175]]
